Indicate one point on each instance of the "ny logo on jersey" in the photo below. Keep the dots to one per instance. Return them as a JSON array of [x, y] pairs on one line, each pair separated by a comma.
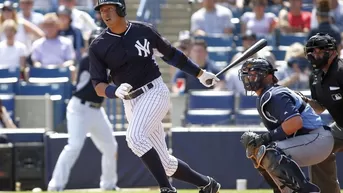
[[143, 48]]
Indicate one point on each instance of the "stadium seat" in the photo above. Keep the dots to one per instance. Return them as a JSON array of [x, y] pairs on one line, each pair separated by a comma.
[[41, 89], [247, 117], [221, 41], [219, 56], [8, 88], [9, 75], [247, 102], [279, 54], [287, 39], [49, 75], [209, 99], [208, 117], [8, 102]]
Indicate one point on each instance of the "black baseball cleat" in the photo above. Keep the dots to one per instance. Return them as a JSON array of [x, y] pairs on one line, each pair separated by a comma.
[[211, 187], [168, 190]]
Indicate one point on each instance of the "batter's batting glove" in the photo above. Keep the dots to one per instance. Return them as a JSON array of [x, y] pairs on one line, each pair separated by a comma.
[[123, 90], [208, 76]]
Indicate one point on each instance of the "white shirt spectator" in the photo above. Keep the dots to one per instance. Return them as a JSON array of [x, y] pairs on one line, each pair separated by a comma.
[[36, 18], [212, 22], [10, 55], [46, 5], [260, 27], [52, 51], [83, 21]]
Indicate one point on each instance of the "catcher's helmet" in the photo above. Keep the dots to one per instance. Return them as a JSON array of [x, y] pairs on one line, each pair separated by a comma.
[[120, 6], [95, 33], [253, 71], [324, 42]]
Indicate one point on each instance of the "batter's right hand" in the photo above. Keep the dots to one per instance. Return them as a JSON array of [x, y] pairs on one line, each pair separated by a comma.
[[123, 90]]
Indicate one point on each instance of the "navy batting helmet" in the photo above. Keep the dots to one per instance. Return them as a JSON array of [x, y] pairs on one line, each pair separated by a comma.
[[120, 6], [321, 41], [95, 33], [253, 72]]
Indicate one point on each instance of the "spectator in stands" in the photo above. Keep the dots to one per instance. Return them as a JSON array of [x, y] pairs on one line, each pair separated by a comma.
[[231, 77], [258, 21], [294, 20], [45, 5], [98, 20], [27, 13], [336, 14], [80, 19], [26, 31], [5, 118], [184, 46], [198, 53], [86, 4], [68, 31], [211, 19], [52, 50], [325, 26], [12, 52], [296, 73]]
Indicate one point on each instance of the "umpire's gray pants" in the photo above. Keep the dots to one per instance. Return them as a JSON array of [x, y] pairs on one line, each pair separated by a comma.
[[309, 149]]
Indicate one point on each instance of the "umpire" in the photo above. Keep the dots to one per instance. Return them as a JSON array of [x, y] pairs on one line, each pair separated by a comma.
[[326, 84]]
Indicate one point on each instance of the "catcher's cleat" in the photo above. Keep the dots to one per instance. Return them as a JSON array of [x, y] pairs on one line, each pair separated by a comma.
[[211, 187], [168, 190]]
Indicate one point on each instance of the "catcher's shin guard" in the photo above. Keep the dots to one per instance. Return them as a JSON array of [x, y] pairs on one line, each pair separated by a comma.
[[269, 180], [277, 164]]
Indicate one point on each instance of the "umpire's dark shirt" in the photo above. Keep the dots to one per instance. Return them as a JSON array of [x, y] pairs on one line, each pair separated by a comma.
[[328, 90], [129, 56], [84, 88], [326, 27]]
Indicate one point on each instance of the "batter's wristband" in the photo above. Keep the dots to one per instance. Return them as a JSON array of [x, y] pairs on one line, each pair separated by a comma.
[[110, 91], [278, 134]]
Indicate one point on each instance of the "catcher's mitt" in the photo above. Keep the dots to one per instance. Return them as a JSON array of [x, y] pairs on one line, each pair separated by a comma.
[[254, 149]]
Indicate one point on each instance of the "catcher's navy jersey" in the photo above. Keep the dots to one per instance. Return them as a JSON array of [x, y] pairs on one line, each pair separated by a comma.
[[129, 56], [278, 104]]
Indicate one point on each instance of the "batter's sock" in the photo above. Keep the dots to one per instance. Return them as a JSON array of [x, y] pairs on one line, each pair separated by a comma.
[[187, 174], [153, 162]]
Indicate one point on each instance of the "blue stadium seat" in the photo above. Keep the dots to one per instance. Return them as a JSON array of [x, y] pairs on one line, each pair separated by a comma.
[[279, 54], [219, 56], [9, 75], [289, 39], [247, 117], [224, 41], [49, 73], [41, 89], [8, 88], [209, 99], [8, 102], [208, 117], [247, 102]]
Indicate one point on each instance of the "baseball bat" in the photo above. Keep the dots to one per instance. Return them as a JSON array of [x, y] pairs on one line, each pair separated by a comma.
[[249, 52]]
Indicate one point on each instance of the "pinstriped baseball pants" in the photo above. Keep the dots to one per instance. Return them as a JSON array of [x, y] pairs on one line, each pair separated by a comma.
[[145, 131]]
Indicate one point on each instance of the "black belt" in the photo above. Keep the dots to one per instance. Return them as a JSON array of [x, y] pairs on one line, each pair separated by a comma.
[[138, 92], [91, 104]]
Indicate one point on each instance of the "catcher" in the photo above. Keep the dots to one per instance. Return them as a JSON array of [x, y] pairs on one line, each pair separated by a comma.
[[296, 136]]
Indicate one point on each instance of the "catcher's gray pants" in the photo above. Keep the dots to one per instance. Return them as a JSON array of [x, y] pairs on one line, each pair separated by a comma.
[[308, 149]]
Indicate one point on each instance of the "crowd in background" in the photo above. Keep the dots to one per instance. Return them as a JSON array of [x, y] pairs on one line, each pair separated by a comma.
[[56, 36]]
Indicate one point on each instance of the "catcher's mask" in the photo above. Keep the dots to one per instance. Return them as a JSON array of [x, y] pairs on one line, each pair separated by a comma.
[[324, 43], [254, 71]]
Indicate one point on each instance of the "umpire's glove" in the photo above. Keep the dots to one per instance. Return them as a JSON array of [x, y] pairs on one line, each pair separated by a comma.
[[208, 76], [123, 90]]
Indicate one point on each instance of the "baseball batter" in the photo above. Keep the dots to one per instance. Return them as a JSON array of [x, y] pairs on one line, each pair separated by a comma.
[[296, 135], [86, 114], [127, 49]]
